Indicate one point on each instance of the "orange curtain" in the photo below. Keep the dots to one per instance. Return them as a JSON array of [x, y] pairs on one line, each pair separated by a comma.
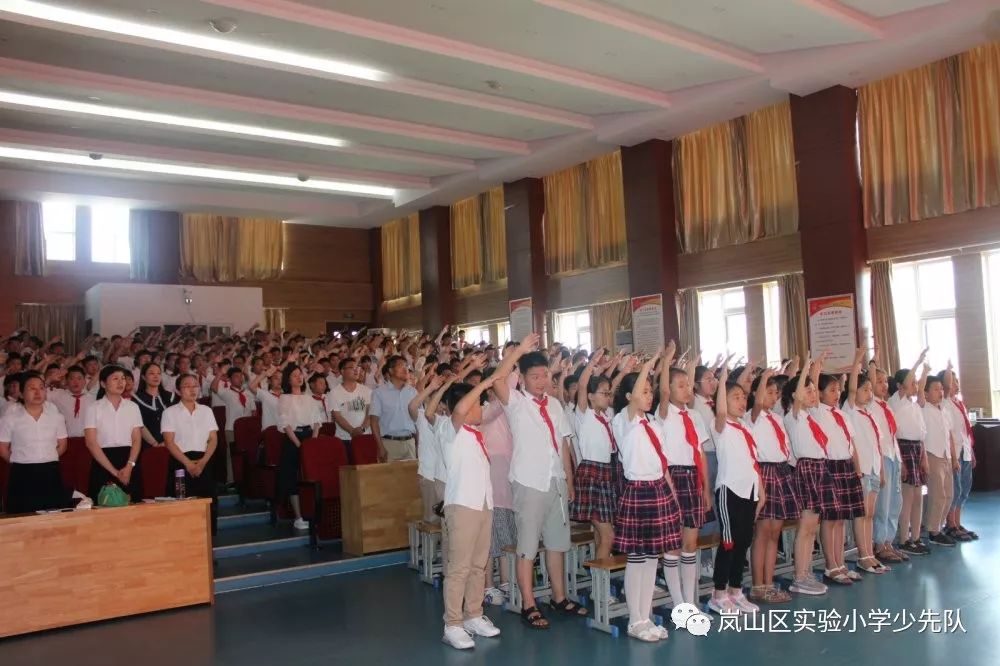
[[585, 215], [930, 139], [478, 239], [734, 182], [217, 248], [401, 257]]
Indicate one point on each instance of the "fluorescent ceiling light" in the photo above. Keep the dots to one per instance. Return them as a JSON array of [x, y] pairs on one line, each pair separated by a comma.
[[53, 104], [247, 177], [144, 31]]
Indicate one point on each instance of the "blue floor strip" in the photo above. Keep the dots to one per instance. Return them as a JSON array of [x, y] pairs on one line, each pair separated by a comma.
[[310, 571], [254, 547]]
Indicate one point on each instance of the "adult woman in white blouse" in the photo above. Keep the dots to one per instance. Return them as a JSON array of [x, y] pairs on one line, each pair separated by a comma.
[[190, 433], [299, 418], [31, 439], [113, 431]]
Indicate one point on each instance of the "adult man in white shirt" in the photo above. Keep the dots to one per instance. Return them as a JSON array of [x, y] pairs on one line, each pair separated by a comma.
[[350, 402]]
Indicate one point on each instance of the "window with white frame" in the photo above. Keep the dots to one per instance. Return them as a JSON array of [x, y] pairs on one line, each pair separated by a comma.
[[722, 322], [923, 297], [476, 334], [109, 242], [573, 328], [772, 323], [59, 227], [991, 277]]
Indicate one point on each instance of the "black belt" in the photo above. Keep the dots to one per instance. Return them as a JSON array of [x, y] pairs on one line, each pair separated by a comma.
[[401, 438], [909, 441]]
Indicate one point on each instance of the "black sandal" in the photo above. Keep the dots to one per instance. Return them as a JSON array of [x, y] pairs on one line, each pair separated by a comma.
[[568, 607], [534, 618]]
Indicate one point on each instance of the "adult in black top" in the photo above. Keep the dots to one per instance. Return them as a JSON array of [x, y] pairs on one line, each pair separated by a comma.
[[152, 399]]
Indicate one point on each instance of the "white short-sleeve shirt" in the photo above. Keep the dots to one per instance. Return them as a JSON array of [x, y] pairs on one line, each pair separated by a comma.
[[736, 462], [937, 442], [114, 426], [909, 418], [351, 405], [468, 481], [32, 441], [638, 452], [804, 441], [268, 408], [427, 451], [867, 437], [536, 459], [959, 428], [298, 411], [191, 429], [767, 432], [880, 410], [703, 406], [66, 403], [838, 446], [675, 445], [235, 409], [594, 439]]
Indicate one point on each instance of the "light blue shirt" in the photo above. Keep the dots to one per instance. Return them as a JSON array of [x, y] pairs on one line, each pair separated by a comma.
[[389, 405]]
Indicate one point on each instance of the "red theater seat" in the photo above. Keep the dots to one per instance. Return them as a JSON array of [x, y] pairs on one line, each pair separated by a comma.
[[246, 451], [74, 466], [154, 466], [319, 494], [364, 450]]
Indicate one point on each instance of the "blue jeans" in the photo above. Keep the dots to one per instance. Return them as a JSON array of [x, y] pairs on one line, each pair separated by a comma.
[[889, 503], [963, 484]]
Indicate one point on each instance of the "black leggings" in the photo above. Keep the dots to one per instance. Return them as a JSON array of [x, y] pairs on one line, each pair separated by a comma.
[[736, 520]]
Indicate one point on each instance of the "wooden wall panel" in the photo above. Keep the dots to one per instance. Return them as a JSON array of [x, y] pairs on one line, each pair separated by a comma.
[[971, 330], [408, 318], [327, 254], [480, 306], [940, 235], [580, 290], [762, 258]]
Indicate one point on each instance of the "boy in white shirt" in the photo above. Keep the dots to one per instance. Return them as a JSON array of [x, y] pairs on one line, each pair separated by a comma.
[[73, 401], [350, 402], [541, 472], [942, 460], [961, 432]]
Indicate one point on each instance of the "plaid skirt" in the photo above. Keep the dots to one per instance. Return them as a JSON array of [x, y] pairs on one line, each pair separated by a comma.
[[910, 454], [780, 499], [848, 493], [648, 520], [617, 475], [813, 486], [595, 492], [694, 512]]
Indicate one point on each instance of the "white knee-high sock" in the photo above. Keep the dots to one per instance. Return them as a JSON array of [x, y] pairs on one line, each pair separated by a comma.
[[672, 574], [689, 577], [649, 586], [634, 581]]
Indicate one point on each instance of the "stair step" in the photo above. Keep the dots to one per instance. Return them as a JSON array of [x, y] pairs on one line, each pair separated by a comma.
[[255, 547], [243, 519], [279, 567]]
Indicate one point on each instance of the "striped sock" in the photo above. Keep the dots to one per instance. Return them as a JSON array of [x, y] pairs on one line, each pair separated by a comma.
[[672, 574]]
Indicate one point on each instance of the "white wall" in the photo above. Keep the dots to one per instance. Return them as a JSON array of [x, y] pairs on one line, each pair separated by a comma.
[[118, 308]]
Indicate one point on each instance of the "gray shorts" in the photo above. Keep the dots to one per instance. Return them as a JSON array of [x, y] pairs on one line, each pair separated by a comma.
[[541, 516], [504, 531]]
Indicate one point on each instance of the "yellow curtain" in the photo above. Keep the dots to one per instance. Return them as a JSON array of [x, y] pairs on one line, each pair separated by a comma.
[[930, 139], [585, 215], [478, 239], [217, 248], [47, 321], [401, 257], [687, 315], [884, 315], [734, 182], [607, 319], [794, 322], [274, 319]]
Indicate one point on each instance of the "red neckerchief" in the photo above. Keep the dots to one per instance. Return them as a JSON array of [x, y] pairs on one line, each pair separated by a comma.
[[691, 435], [778, 432], [878, 435], [76, 404], [321, 398], [655, 441], [542, 404], [842, 423], [607, 426], [890, 419], [751, 444], [480, 439], [965, 416], [243, 398], [818, 434]]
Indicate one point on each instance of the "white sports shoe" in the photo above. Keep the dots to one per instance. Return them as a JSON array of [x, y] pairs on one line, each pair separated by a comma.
[[744, 604], [495, 596], [458, 638], [300, 524], [722, 605], [481, 626]]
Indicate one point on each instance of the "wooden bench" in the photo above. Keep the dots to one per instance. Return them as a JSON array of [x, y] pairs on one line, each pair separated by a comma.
[[606, 608], [425, 551]]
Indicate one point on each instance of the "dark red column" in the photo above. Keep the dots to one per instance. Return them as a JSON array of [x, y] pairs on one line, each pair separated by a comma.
[[437, 296], [647, 175], [375, 245], [525, 203], [831, 225]]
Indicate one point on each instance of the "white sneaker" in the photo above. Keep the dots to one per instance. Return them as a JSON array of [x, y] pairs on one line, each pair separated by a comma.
[[744, 604], [645, 631], [722, 605], [494, 597], [807, 585], [458, 638], [481, 626], [300, 524]]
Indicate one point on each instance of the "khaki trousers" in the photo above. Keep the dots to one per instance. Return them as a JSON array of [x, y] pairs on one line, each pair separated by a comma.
[[469, 534], [940, 492], [396, 449]]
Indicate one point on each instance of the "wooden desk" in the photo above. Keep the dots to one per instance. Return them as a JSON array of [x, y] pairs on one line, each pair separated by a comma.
[[377, 502], [62, 569]]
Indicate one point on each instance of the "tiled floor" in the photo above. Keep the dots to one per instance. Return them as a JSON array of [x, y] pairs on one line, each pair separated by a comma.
[[387, 616]]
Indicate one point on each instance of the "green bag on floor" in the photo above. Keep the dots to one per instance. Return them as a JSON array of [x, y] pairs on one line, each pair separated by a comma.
[[112, 495]]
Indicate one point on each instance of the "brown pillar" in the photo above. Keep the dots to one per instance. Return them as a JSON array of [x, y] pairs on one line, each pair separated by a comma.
[[647, 175], [437, 296], [525, 203], [378, 296], [831, 226]]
